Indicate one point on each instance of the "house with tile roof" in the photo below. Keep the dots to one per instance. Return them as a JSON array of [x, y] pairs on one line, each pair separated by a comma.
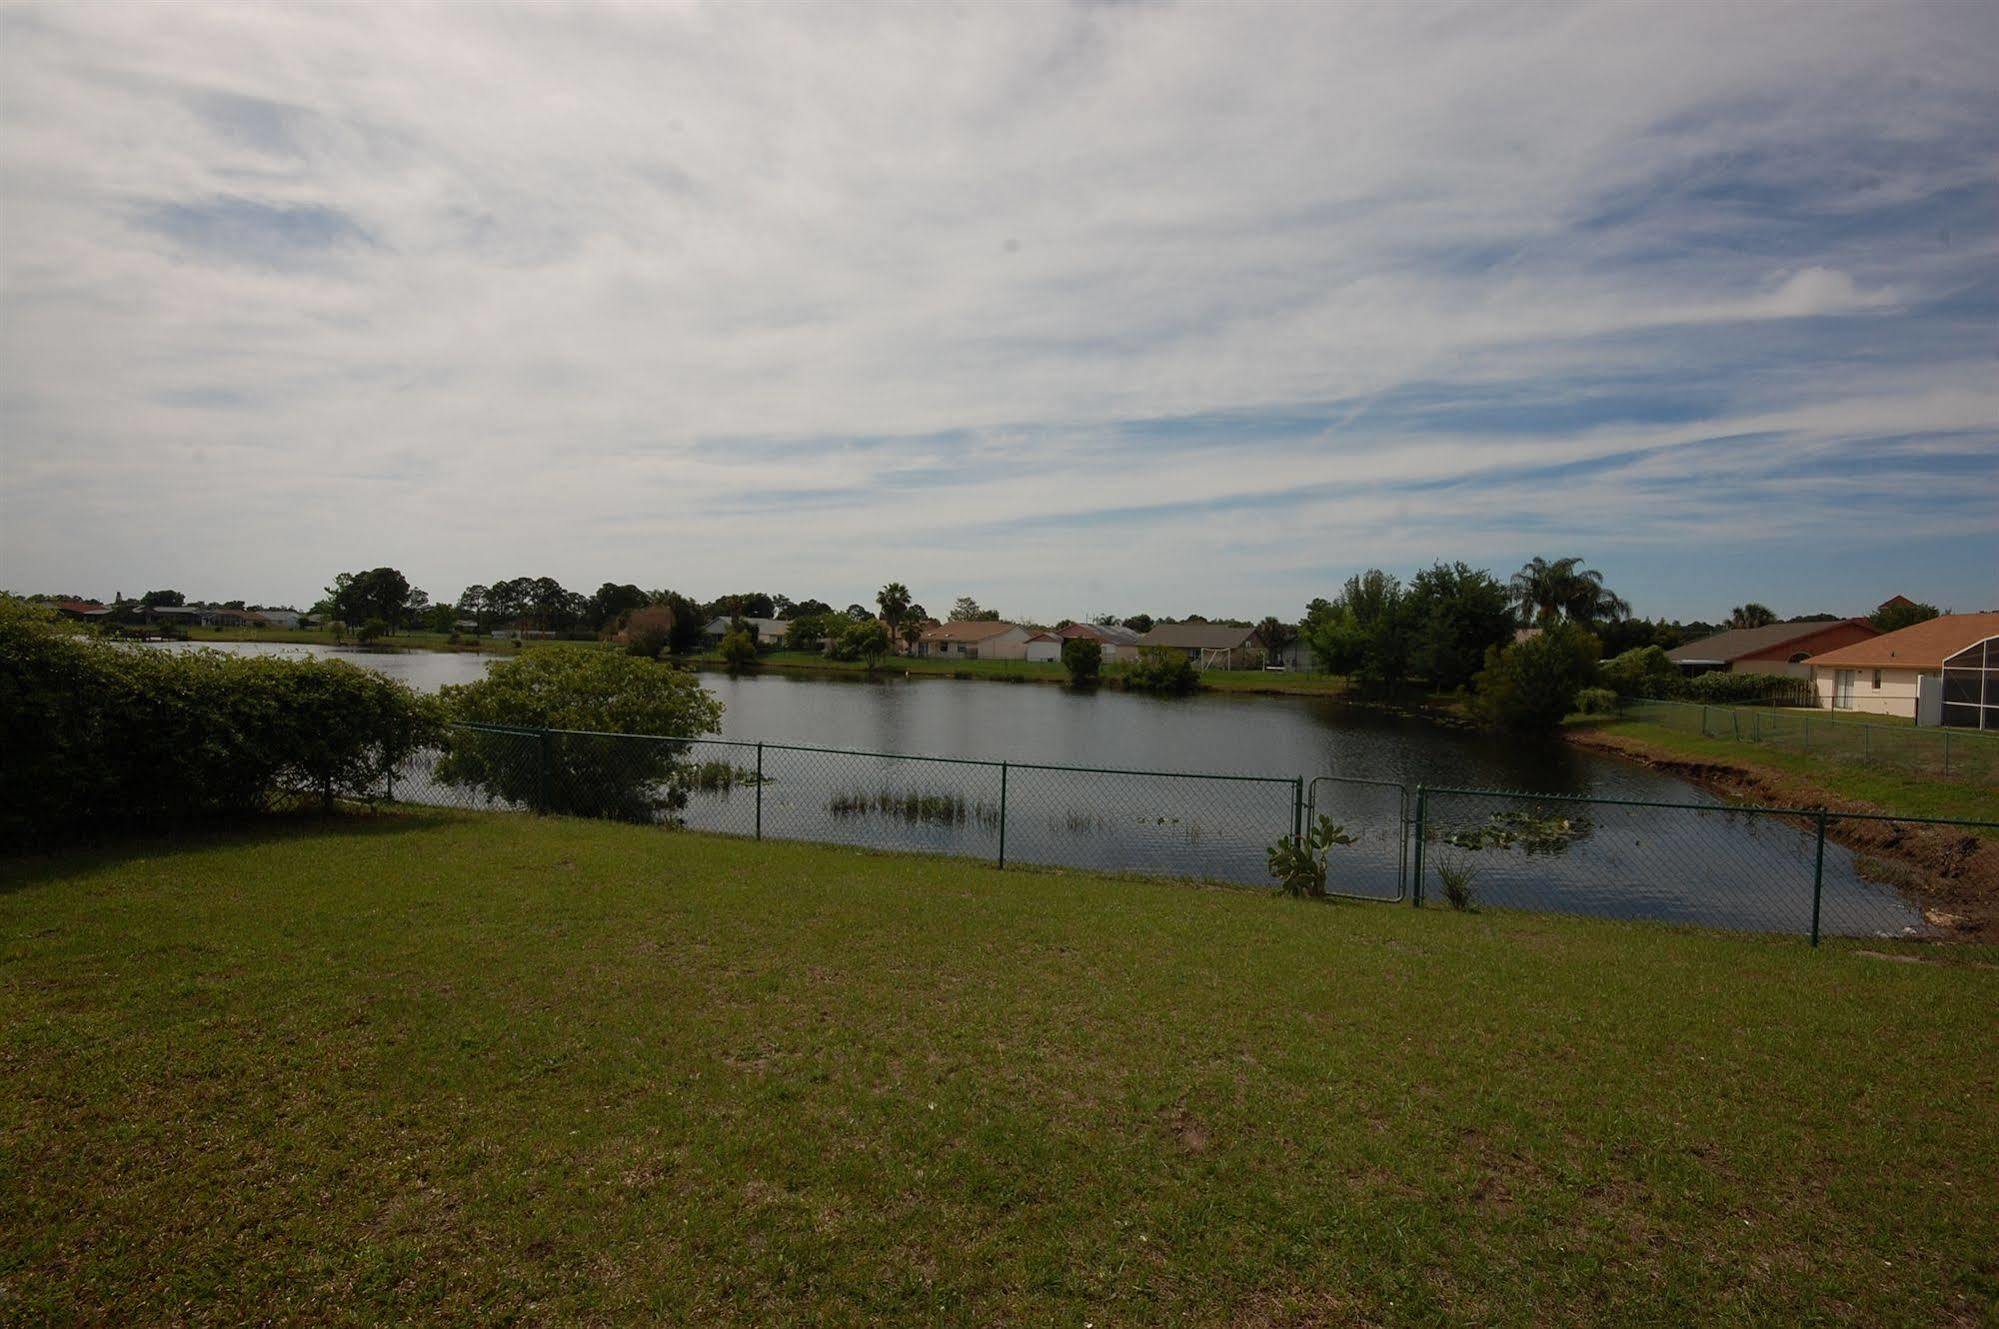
[[974, 639], [1902, 673]]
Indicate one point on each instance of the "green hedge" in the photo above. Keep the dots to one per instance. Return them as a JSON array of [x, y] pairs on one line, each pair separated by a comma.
[[101, 736]]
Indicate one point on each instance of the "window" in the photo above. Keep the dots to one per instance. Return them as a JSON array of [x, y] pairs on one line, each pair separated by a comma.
[[1877, 680]]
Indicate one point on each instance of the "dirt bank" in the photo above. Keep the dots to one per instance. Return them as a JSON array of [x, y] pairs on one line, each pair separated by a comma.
[[1950, 872]]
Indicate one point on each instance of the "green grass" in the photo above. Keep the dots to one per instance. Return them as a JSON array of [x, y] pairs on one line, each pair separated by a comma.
[[1891, 788], [467, 1070]]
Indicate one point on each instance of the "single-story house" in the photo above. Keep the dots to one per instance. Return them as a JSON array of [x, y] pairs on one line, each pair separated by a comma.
[[979, 639], [1043, 647], [1209, 645], [1902, 673], [235, 618], [88, 611], [1118, 641], [1779, 648], [1295, 655], [286, 618], [769, 631]]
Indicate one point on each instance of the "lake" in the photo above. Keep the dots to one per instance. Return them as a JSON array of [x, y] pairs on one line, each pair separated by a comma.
[[1720, 867]]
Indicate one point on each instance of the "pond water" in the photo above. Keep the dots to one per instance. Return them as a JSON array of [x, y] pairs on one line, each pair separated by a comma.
[[1709, 865]]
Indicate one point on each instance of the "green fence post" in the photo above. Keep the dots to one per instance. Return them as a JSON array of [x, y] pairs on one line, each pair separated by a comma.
[[1002, 844], [1818, 879], [1416, 885], [760, 791], [541, 773], [1298, 809]]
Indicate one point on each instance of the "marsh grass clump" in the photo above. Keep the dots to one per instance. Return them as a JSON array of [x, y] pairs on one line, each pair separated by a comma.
[[711, 777], [936, 809]]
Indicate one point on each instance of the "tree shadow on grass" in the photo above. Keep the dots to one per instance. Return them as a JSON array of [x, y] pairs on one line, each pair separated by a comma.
[[43, 866]]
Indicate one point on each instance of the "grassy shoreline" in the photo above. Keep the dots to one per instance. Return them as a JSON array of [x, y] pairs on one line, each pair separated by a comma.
[[457, 1068]]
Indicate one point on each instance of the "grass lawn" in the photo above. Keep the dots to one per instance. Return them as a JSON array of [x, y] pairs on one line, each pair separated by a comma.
[[463, 1069], [1889, 787]]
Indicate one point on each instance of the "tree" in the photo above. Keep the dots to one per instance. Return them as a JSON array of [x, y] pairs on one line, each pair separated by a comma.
[[162, 599], [966, 610], [1532, 684], [379, 593], [1083, 657], [1900, 613], [688, 621], [743, 604], [812, 632], [608, 607], [914, 621], [1139, 623], [739, 649], [1364, 634], [893, 600], [585, 774], [1455, 614], [472, 604], [1162, 669], [860, 613], [1564, 589], [441, 618], [810, 609], [865, 641], [1751, 615], [1642, 671], [648, 631], [1275, 634]]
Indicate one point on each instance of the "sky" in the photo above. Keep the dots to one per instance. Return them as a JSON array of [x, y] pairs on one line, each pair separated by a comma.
[[1072, 308]]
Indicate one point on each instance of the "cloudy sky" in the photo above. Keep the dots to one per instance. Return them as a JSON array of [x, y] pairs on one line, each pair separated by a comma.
[[1069, 307]]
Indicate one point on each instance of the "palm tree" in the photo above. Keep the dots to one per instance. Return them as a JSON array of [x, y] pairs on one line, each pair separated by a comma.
[[1751, 615], [1547, 591], [894, 602]]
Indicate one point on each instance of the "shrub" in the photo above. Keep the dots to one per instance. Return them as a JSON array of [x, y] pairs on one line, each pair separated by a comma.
[[1457, 876], [1299, 863], [1643, 671], [648, 631], [1531, 684], [102, 736], [373, 630], [739, 649], [864, 641], [1725, 689], [593, 774], [1083, 657], [1161, 669], [1597, 701]]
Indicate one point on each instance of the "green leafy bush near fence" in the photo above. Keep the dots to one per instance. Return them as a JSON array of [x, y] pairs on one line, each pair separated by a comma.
[[98, 735], [596, 773], [1726, 689], [1158, 669]]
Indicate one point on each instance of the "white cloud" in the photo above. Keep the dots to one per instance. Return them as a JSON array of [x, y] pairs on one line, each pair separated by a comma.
[[480, 290]]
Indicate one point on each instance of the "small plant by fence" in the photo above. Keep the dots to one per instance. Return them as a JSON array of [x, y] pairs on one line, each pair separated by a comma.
[[1798, 871], [1959, 754]]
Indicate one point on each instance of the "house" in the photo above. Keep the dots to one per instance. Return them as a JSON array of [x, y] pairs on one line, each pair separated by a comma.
[[85, 611], [283, 618], [1118, 641], [1209, 645], [981, 639], [1903, 673], [1295, 655], [234, 618], [769, 632], [1780, 648], [1043, 647]]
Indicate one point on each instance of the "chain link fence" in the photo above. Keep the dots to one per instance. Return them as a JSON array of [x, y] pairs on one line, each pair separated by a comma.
[[1797, 871], [1965, 755]]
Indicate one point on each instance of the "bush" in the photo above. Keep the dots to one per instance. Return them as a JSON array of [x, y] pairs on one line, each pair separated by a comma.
[[1643, 671], [1161, 669], [865, 641], [1726, 689], [594, 774], [373, 630], [101, 736], [1597, 701], [648, 631], [739, 650], [1531, 684], [1083, 657]]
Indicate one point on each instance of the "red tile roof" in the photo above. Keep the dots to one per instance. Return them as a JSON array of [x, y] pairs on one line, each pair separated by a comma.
[[1924, 645]]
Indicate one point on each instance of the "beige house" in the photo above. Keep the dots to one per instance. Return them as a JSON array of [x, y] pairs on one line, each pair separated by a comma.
[[1209, 645], [1885, 675], [1780, 648], [1044, 647], [977, 640]]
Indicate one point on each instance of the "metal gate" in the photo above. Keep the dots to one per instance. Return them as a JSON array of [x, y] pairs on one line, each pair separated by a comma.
[[1376, 813]]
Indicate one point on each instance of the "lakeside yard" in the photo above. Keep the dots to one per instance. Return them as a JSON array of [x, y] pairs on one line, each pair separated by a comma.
[[456, 1068]]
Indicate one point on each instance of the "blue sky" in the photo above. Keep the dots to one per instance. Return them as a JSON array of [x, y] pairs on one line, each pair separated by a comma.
[[1068, 307]]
